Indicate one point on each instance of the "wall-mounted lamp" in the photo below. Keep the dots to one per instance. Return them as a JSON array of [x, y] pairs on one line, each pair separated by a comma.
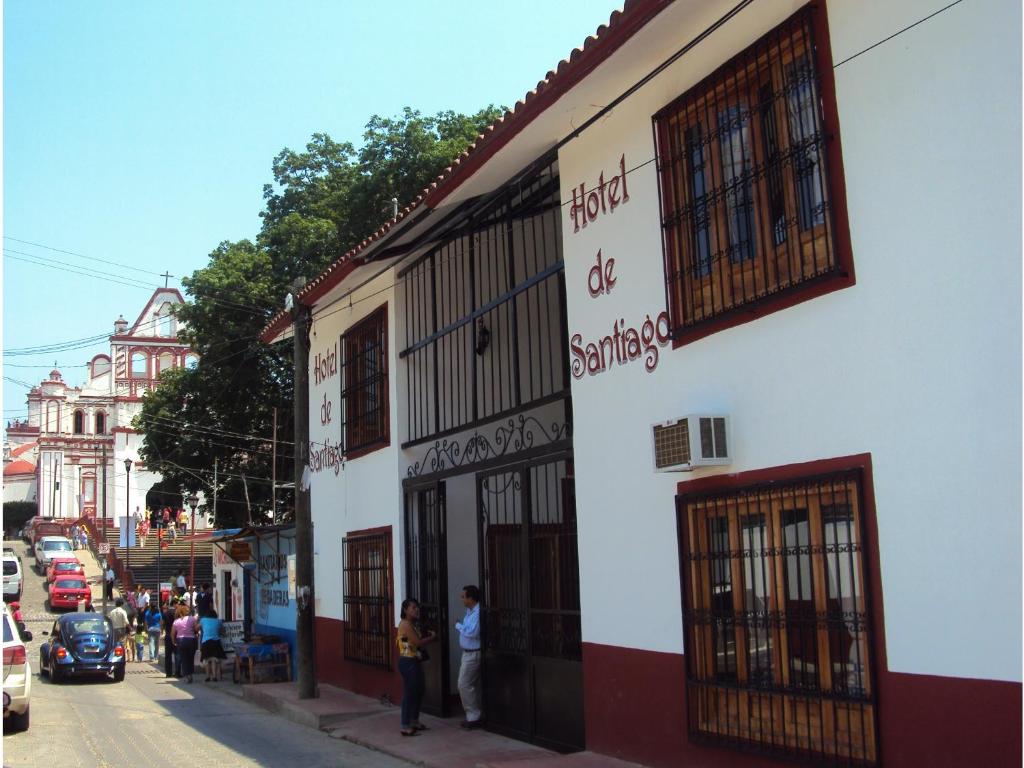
[[483, 337]]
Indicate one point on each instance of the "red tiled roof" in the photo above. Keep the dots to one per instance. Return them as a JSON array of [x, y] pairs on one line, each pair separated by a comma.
[[621, 26], [19, 467]]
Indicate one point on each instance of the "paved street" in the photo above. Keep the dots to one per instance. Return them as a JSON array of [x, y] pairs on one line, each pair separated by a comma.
[[149, 720]]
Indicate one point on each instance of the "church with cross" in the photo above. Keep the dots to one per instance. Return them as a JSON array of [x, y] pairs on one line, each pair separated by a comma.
[[73, 447]]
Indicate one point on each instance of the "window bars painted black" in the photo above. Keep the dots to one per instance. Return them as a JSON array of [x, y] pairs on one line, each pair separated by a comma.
[[746, 207], [777, 621], [485, 314], [364, 382], [368, 599]]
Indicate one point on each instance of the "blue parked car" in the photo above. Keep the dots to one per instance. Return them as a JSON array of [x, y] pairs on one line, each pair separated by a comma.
[[81, 643]]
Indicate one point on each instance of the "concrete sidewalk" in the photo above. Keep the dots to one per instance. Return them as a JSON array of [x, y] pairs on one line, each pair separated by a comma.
[[369, 723]]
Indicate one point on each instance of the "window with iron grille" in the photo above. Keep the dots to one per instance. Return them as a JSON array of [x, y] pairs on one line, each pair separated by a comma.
[[747, 197], [364, 382], [368, 599], [778, 637]]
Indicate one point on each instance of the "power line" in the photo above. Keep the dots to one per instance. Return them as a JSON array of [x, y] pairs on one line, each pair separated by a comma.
[[83, 256]]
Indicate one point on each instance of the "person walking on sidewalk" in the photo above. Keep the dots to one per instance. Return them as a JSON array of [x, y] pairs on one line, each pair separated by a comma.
[[183, 633], [108, 582], [179, 582], [167, 621], [410, 666], [119, 621], [211, 652], [469, 669], [152, 620]]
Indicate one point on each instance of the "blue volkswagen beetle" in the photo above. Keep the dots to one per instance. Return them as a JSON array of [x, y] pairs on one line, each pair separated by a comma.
[[81, 643]]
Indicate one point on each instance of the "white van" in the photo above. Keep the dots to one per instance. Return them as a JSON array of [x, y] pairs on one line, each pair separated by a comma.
[[12, 577]]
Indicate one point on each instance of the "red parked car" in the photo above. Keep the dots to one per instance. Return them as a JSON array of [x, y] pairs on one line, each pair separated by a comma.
[[64, 566], [65, 592]]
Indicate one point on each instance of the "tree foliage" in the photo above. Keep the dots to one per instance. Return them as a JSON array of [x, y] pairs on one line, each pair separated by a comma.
[[323, 201], [17, 513]]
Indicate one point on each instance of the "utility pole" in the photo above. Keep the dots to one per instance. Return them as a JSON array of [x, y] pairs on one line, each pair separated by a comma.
[[273, 473], [104, 492], [214, 491], [304, 620]]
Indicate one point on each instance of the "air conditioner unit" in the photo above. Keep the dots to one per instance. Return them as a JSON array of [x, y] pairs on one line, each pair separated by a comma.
[[682, 445]]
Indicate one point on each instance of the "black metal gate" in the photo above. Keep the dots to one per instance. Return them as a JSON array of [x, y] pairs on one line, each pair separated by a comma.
[[532, 641], [426, 579]]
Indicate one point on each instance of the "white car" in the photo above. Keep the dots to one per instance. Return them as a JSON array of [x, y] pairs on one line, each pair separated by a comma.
[[49, 547], [12, 577], [17, 674]]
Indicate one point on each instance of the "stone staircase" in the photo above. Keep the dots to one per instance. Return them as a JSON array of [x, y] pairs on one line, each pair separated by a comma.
[[177, 554]]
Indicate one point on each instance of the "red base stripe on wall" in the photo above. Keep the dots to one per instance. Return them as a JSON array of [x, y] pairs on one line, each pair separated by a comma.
[[635, 709], [332, 668]]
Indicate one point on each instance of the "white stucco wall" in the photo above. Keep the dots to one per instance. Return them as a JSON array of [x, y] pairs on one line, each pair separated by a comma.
[[918, 364], [362, 493]]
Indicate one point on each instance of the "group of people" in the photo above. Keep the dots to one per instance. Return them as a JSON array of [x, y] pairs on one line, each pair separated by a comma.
[[412, 652], [186, 620], [173, 522], [79, 537]]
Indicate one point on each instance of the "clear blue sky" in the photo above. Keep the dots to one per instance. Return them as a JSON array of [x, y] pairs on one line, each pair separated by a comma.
[[142, 133]]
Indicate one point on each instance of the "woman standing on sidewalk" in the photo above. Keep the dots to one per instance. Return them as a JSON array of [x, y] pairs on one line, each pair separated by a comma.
[[152, 618], [167, 620], [410, 660], [211, 650], [183, 633]]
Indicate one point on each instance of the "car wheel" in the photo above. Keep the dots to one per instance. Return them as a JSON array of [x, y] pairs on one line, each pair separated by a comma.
[[43, 672], [119, 674], [19, 722]]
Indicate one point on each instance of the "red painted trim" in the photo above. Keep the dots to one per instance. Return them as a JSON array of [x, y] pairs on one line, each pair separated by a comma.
[[149, 303], [787, 472], [332, 668], [385, 439], [635, 709], [581, 63], [846, 276]]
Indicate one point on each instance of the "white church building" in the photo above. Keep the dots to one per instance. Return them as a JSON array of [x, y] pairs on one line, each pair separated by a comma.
[[78, 437]]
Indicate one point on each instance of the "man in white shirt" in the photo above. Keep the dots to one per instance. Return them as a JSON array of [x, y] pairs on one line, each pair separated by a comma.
[[108, 581], [143, 601], [469, 669], [119, 619], [179, 583]]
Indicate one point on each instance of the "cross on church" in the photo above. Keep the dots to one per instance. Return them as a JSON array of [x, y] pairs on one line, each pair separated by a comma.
[[166, 276]]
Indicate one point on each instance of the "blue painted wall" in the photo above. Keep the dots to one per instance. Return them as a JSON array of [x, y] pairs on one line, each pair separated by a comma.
[[273, 611]]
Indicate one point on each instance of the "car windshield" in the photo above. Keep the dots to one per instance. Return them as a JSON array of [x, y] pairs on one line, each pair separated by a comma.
[[8, 632], [93, 624], [68, 566], [70, 584], [10, 567], [56, 546]]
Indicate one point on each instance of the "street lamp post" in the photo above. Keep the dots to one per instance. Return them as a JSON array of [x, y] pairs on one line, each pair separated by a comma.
[[127, 518], [192, 501]]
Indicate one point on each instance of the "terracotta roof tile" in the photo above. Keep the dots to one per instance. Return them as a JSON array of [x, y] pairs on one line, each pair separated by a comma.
[[632, 17]]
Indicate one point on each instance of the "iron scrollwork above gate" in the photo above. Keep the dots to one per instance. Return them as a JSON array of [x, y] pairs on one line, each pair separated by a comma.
[[518, 434]]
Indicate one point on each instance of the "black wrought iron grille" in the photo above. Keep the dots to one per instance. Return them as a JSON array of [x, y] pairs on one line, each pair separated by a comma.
[[746, 209], [485, 314], [364, 382], [368, 599], [777, 621], [531, 565]]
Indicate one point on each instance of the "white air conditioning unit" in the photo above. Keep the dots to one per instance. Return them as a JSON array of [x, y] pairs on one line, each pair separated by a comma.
[[682, 445]]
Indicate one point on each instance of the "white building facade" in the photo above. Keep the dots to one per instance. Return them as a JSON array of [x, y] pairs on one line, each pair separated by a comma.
[[84, 434], [770, 224]]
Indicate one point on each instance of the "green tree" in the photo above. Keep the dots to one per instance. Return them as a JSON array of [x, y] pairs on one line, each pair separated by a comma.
[[322, 202], [17, 513]]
